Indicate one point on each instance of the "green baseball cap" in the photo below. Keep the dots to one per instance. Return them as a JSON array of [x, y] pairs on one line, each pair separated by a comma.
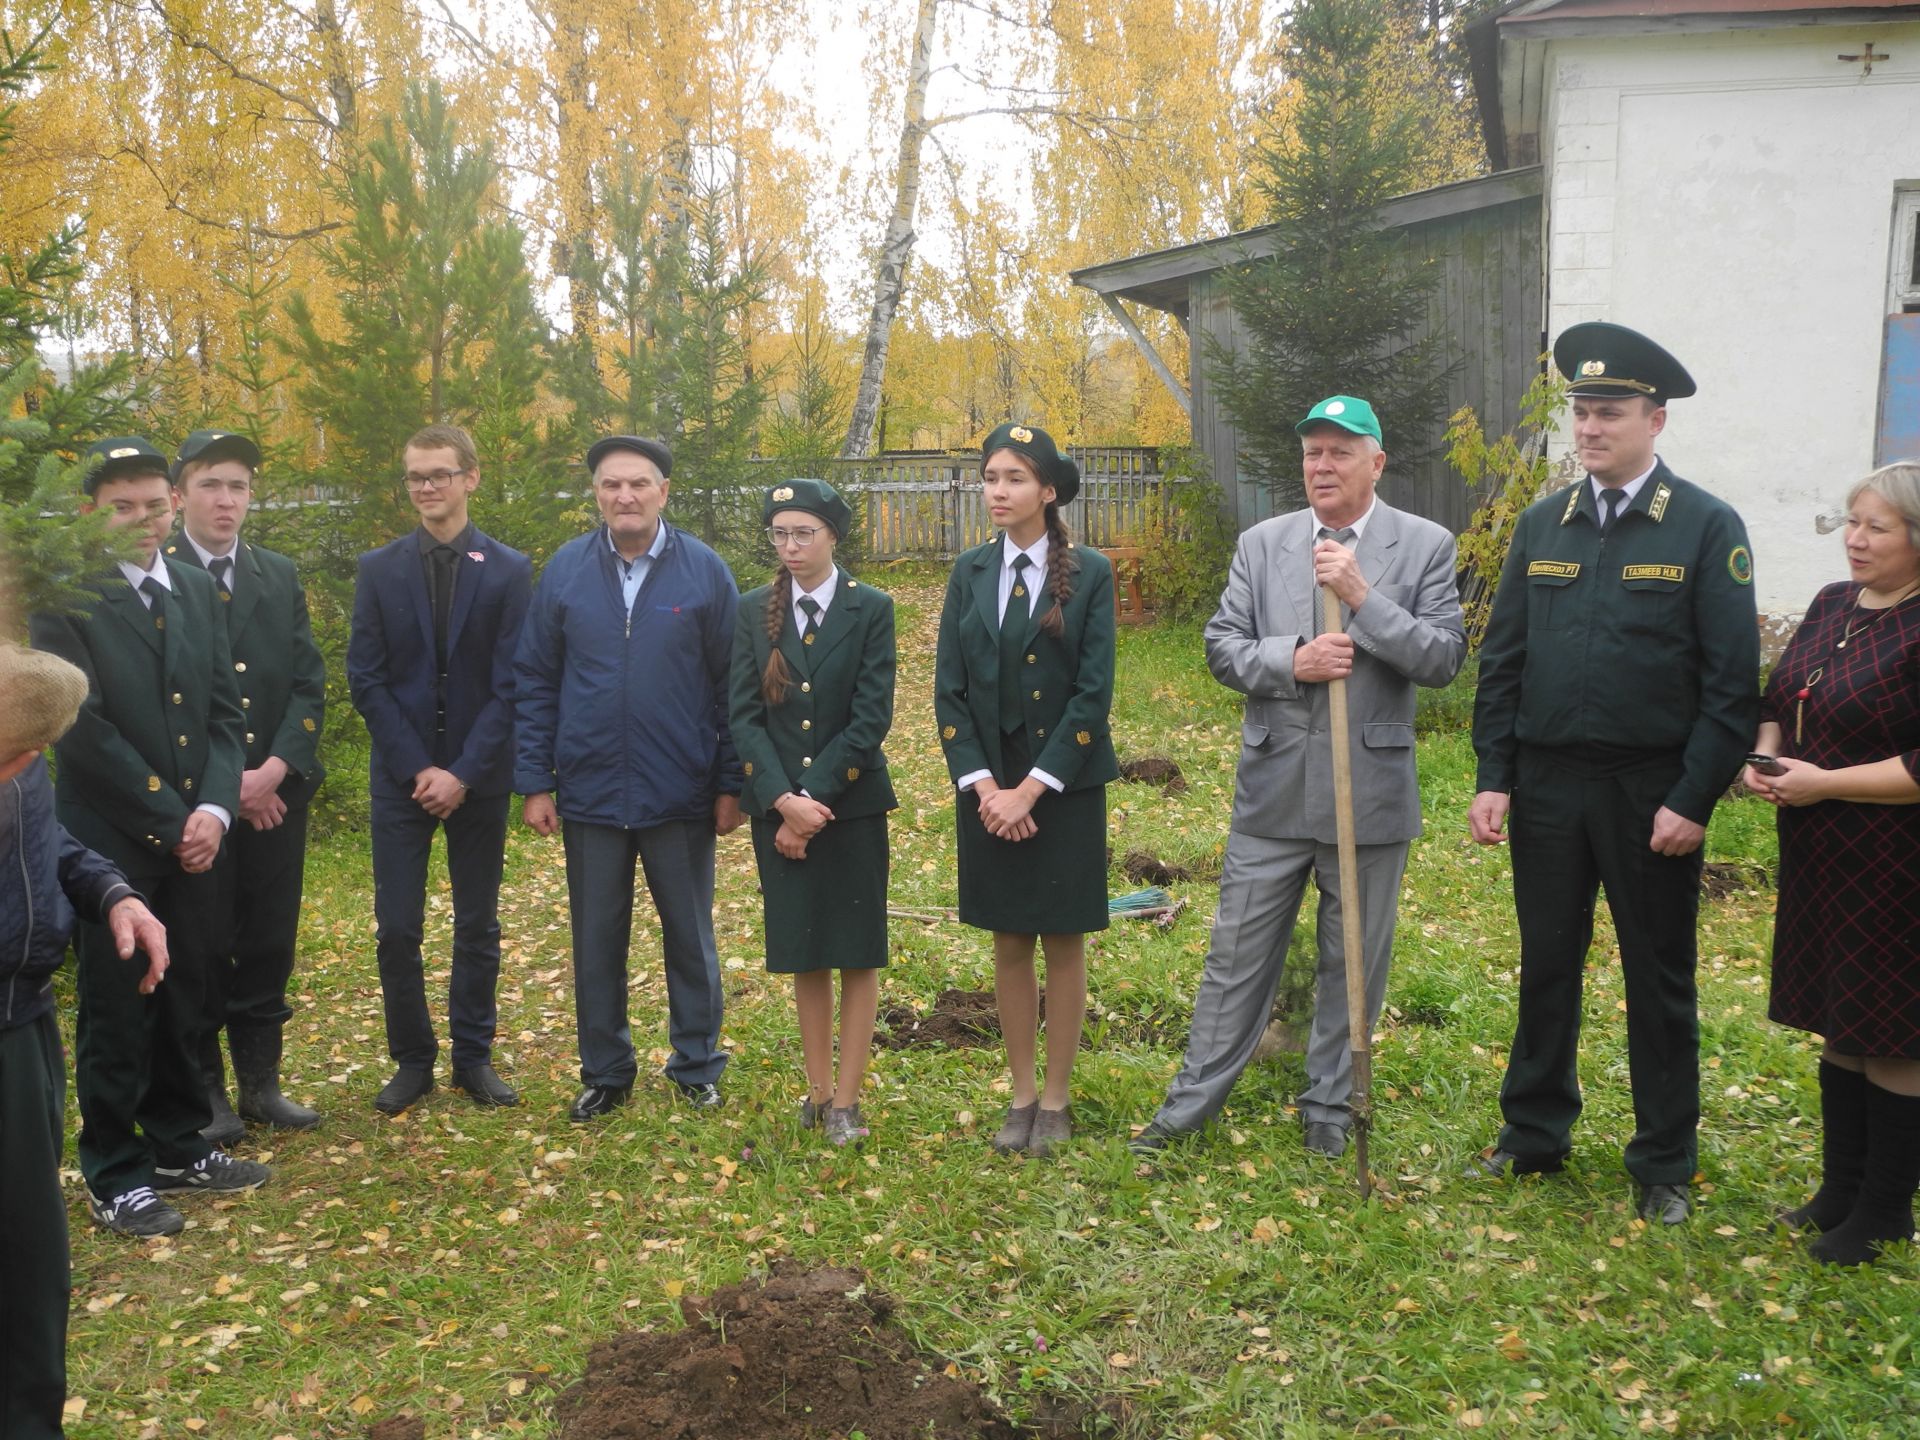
[[122, 455], [1346, 411]]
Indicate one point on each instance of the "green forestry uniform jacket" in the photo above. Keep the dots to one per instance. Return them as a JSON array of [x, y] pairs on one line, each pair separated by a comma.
[[162, 728], [828, 910], [281, 674], [1054, 882], [1618, 675], [1632, 645]]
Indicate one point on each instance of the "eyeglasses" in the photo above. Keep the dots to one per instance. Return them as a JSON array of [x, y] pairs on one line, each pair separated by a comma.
[[803, 537], [436, 480]]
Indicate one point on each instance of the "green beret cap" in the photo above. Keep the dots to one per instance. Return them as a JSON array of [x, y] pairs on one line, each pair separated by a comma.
[[215, 445], [1607, 361], [1349, 412], [816, 497], [122, 455], [1054, 466]]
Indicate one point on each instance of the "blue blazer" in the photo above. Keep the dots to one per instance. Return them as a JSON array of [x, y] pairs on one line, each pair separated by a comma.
[[391, 670]]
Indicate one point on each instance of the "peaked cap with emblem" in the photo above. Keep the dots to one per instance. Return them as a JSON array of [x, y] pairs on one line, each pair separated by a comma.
[[815, 497], [1056, 468], [1349, 412], [211, 445], [122, 455], [1607, 361], [654, 450]]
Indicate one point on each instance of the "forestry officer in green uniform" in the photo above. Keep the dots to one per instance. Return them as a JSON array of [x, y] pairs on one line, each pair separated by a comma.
[[149, 777], [1616, 700], [811, 701], [283, 690]]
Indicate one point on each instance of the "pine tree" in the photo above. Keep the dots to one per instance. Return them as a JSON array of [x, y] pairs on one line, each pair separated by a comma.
[[1332, 310], [47, 544]]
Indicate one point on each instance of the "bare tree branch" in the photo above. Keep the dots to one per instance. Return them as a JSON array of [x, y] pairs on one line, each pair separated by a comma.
[[238, 227], [189, 41]]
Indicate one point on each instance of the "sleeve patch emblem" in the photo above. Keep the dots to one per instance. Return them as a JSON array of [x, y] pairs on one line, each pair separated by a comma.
[[1081, 737], [1740, 565], [948, 733]]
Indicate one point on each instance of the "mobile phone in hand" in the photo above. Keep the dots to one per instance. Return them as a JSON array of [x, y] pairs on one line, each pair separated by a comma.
[[1766, 764]]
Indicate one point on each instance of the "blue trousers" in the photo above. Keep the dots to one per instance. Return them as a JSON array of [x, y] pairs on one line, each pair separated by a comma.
[[677, 858], [476, 852]]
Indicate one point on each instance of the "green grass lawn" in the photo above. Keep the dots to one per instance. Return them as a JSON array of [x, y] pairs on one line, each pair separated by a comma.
[[455, 1264]]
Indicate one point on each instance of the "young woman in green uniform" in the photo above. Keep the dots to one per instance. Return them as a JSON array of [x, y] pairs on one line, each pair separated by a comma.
[[1022, 688], [811, 700]]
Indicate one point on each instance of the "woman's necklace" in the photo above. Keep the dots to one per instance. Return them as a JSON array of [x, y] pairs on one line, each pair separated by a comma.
[[1854, 625]]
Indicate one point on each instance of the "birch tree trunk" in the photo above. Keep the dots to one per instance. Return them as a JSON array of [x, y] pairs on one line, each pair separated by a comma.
[[890, 269]]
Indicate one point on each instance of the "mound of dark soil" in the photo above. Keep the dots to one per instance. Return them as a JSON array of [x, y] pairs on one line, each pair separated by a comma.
[[960, 1018], [1721, 878], [1155, 770], [400, 1427], [808, 1355]]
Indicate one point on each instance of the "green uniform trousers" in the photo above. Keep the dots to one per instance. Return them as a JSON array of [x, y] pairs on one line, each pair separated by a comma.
[[34, 1280], [143, 1099], [1572, 831]]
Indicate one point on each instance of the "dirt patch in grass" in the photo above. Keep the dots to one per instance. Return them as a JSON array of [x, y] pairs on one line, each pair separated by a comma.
[[804, 1355], [962, 1019], [1154, 770], [400, 1427], [1721, 878]]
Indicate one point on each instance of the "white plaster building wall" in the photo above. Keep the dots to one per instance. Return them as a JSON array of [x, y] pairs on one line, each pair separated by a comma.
[[1731, 195]]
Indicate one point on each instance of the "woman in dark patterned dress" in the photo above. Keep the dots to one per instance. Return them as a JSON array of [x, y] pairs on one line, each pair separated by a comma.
[[1023, 681], [1842, 713]]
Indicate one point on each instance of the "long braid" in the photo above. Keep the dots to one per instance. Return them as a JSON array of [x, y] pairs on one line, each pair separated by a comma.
[[776, 679], [1062, 563]]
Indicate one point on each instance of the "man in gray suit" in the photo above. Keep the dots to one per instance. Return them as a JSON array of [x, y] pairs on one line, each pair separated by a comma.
[[1394, 576]]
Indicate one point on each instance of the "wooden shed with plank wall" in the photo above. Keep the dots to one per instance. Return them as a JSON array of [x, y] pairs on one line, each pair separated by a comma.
[[1485, 234]]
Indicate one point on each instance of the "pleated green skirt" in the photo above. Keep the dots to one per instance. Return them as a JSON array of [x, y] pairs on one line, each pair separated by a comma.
[[828, 911], [1054, 883]]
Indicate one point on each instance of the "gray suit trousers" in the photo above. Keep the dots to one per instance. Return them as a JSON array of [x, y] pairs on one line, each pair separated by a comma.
[[1260, 893]]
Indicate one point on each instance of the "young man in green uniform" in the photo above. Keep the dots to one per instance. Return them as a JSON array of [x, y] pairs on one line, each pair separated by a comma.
[[1617, 698], [149, 777], [283, 690]]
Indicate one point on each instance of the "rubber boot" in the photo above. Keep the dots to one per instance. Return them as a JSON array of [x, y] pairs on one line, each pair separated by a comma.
[[1843, 1145], [1884, 1211], [224, 1129], [256, 1066]]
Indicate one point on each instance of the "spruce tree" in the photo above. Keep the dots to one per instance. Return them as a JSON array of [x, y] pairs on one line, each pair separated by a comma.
[[1333, 308], [47, 545]]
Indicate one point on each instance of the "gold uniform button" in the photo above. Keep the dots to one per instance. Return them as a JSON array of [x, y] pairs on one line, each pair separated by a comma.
[[245, 703], [183, 741], [1036, 694], [948, 733], [249, 738], [806, 759], [806, 724], [178, 698], [188, 784], [1029, 659], [307, 725], [853, 772], [806, 687], [240, 667], [153, 784], [1040, 734], [749, 767]]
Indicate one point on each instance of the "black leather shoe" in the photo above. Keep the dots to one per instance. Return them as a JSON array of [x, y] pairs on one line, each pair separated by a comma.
[[484, 1087], [701, 1097], [597, 1100], [1668, 1204], [1326, 1138], [1149, 1142], [1494, 1163], [410, 1083]]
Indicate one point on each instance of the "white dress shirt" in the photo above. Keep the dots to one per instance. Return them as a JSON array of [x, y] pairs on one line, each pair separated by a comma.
[[821, 595], [207, 557]]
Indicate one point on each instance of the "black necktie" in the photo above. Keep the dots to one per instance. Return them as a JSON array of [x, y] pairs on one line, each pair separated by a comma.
[[1013, 646], [156, 594], [810, 607], [1610, 508], [443, 558], [220, 567]]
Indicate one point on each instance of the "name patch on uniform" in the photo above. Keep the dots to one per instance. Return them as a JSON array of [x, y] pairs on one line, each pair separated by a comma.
[[1653, 572], [1566, 569]]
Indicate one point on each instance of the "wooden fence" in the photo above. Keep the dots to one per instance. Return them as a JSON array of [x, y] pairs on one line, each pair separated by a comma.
[[931, 505]]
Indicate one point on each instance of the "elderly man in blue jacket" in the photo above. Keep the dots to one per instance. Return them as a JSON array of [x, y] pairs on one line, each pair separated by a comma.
[[620, 700], [47, 881]]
